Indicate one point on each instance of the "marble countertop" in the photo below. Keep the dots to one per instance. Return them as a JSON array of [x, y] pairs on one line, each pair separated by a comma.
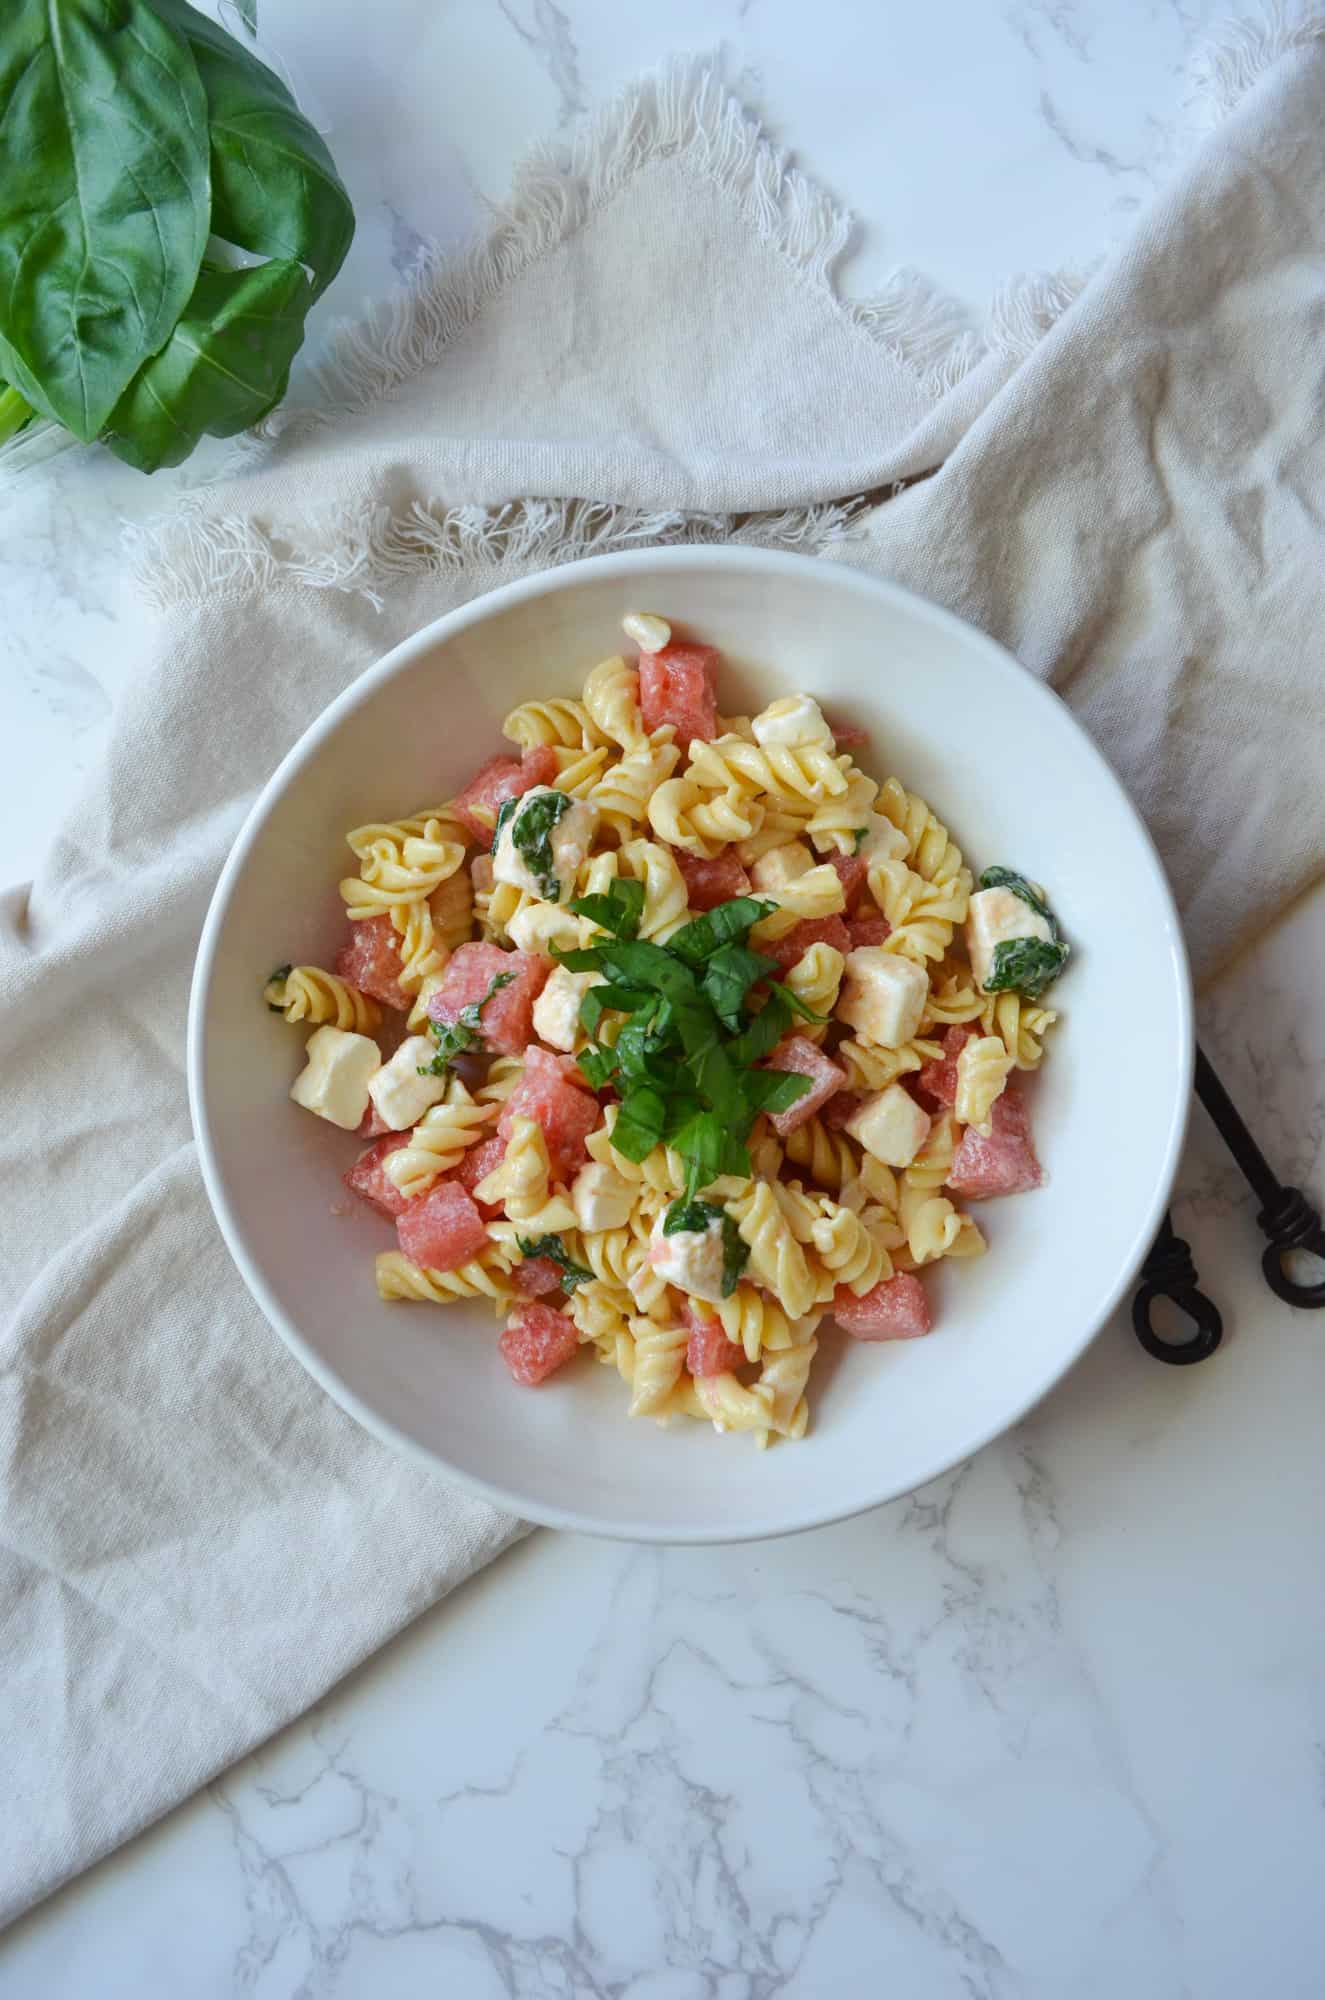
[[1051, 1727]]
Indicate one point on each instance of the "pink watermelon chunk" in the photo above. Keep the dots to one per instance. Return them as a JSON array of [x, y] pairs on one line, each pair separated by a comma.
[[537, 1342], [868, 928], [810, 930], [566, 1111], [708, 1350], [367, 1179], [851, 874], [536, 1275], [936, 1082], [1005, 1162], [709, 883], [501, 778], [896, 1309], [507, 1021], [847, 735], [441, 1229], [679, 685], [371, 961], [478, 1163], [842, 1106], [802, 1058]]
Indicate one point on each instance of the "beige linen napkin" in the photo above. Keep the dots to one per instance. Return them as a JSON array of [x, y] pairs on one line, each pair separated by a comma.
[[194, 1541]]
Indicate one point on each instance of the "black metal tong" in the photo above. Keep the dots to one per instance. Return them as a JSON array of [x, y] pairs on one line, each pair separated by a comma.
[[1286, 1218]]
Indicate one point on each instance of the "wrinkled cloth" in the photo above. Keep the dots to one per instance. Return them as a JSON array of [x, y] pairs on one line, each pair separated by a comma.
[[196, 1542]]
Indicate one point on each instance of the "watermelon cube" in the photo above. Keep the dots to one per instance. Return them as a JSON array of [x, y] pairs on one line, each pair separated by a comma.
[[565, 1110], [708, 1350], [478, 1163], [937, 1080], [851, 874], [367, 1179], [371, 961], [506, 1023], [896, 1309], [1005, 1162], [847, 735], [868, 928], [679, 685], [501, 778], [803, 1058], [810, 930], [536, 1275], [441, 1229], [537, 1342], [709, 883]]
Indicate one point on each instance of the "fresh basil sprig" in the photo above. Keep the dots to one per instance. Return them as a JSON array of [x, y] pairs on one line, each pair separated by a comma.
[[572, 1274], [691, 1217], [119, 328], [455, 1037], [1025, 965]]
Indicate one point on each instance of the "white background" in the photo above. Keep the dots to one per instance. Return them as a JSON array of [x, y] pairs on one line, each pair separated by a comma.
[[1052, 1727]]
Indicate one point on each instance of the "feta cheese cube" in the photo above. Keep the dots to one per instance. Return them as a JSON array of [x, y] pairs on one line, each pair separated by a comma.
[[601, 1198], [568, 844], [883, 841], [773, 871], [891, 1126], [557, 1008], [795, 722], [399, 1092], [883, 996], [335, 1081], [995, 917], [691, 1259]]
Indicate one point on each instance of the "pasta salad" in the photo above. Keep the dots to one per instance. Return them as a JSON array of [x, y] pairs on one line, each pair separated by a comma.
[[677, 1035]]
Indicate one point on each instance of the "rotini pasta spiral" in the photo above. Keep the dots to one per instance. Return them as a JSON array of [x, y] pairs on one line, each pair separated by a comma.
[[623, 792], [1021, 1025], [826, 1156], [660, 1349], [611, 696], [557, 722], [845, 1253], [430, 928], [765, 1150], [730, 1406], [935, 1227], [782, 1383], [983, 1068], [702, 823], [601, 1310], [485, 1276], [923, 914], [871, 1068], [753, 1321], [504, 1072], [834, 825], [816, 979], [401, 861], [954, 997], [666, 905], [817, 893], [306, 993], [578, 771], [933, 1163], [776, 1258], [782, 823], [440, 1140], [522, 1183], [807, 773]]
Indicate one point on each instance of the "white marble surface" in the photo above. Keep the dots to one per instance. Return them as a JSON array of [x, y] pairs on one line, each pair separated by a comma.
[[1052, 1727]]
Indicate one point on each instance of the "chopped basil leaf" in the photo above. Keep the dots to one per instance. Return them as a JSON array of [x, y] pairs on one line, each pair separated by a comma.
[[619, 911], [572, 1274], [530, 836], [735, 1256], [504, 811], [728, 923], [764, 1032], [798, 1006], [862, 834], [1025, 965], [691, 1218], [775, 1089], [640, 1121], [728, 977], [1008, 878], [278, 978], [597, 1065], [282, 973], [454, 1037]]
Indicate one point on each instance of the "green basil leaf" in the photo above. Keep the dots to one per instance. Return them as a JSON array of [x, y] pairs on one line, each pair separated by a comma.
[[702, 1143], [640, 1121], [504, 812], [763, 1034], [597, 1065], [728, 923], [572, 1274], [619, 911], [104, 199], [774, 1090], [690, 1218], [226, 364], [275, 189], [455, 1037], [735, 1255], [1025, 965], [730, 973], [531, 836], [1008, 878], [795, 1005], [640, 1058]]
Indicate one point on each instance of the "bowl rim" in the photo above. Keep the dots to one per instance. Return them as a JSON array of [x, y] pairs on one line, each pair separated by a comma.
[[650, 562]]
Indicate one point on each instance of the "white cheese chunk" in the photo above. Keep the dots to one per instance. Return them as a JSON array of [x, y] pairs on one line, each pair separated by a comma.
[[535, 926], [334, 1084], [995, 917], [891, 1126], [568, 844], [691, 1259], [600, 1198], [399, 1092], [795, 722], [883, 996], [883, 841], [773, 871], [557, 1008]]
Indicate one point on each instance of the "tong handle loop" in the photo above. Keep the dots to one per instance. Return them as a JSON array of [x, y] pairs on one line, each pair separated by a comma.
[[1291, 1223], [1169, 1273]]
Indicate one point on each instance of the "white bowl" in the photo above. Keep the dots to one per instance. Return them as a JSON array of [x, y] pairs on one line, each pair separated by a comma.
[[1007, 768]]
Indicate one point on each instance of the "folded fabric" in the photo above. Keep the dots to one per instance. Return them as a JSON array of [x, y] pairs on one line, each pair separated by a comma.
[[195, 1541]]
